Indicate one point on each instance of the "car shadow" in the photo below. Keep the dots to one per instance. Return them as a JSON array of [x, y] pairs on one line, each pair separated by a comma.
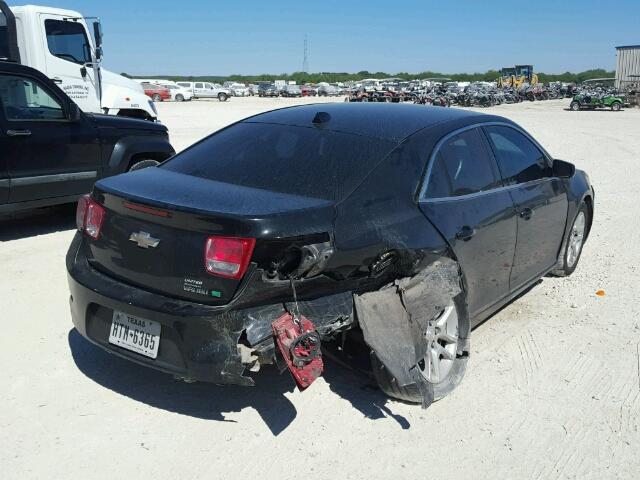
[[41, 221], [213, 402]]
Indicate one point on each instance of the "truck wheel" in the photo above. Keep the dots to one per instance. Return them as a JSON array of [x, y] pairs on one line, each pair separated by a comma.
[[222, 97], [179, 98], [574, 244], [575, 106], [615, 106], [156, 97], [444, 364], [140, 164]]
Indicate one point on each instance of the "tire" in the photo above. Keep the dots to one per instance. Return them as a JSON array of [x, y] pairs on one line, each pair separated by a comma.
[[139, 165], [156, 97], [444, 386], [615, 106], [575, 242], [223, 97], [574, 106], [179, 98]]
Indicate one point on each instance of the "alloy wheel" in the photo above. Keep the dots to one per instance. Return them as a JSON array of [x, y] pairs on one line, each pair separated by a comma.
[[576, 238], [442, 344]]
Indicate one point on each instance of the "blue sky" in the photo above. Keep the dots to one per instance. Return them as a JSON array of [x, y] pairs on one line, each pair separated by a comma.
[[202, 37]]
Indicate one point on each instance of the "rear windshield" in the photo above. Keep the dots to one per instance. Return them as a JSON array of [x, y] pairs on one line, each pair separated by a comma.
[[298, 160]]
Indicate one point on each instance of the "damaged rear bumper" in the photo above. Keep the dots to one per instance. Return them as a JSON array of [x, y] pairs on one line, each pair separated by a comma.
[[197, 342]]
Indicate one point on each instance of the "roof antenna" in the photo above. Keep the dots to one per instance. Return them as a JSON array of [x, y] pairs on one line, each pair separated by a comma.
[[321, 117]]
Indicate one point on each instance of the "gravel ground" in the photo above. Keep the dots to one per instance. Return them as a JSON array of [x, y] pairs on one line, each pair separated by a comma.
[[552, 389]]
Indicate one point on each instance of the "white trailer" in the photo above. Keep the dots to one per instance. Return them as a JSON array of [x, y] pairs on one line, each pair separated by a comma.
[[58, 43]]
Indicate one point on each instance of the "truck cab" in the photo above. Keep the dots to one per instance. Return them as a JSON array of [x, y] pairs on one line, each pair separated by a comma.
[[58, 43]]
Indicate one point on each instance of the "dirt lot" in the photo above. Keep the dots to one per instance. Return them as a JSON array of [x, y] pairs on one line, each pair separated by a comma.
[[552, 389]]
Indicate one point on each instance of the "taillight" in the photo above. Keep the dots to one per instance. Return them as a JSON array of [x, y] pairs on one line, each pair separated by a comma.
[[228, 256], [89, 216], [81, 211]]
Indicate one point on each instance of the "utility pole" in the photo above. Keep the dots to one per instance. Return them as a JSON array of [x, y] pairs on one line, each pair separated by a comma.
[[305, 60]]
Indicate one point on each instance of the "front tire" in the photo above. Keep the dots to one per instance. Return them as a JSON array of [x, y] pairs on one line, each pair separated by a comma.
[[575, 106], [575, 242], [223, 97], [445, 362], [616, 106], [156, 97], [179, 98]]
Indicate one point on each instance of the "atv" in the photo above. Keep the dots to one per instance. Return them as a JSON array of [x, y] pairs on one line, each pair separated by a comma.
[[592, 102]]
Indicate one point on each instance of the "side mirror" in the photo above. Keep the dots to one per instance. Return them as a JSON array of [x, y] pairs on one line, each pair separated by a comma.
[[98, 53], [97, 35], [562, 169], [75, 114]]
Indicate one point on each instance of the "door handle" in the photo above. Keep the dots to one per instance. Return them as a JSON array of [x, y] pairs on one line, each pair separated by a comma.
[[19, 133], [56, 80], [526, 213], [466, 233]]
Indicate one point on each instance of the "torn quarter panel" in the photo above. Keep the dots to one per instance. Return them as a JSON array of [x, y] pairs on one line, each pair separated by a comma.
[[394, 318]]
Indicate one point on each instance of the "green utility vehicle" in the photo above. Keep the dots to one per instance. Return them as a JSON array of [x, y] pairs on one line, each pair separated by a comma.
[[594, 101]]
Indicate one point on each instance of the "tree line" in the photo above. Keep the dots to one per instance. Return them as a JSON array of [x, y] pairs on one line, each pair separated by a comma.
[[333, 77]]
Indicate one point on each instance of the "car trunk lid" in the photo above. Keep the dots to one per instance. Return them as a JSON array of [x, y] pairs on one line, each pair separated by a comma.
[[157, 223]]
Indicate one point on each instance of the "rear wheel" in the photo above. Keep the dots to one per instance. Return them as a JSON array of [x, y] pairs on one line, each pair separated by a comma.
[[444, 363], [575, 242], [140, 164], [222, 97], [575, 106], [156, 97]]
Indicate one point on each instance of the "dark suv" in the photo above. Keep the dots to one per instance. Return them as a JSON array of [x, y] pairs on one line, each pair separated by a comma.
[[52, 152]]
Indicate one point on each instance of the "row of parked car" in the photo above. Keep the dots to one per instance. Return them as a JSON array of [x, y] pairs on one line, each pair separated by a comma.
[[162, 90]]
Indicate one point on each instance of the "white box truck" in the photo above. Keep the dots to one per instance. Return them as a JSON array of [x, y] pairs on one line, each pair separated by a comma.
[[58, 43]]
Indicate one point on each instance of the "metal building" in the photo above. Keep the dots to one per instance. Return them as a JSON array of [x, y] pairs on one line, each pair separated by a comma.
[[628, 67]]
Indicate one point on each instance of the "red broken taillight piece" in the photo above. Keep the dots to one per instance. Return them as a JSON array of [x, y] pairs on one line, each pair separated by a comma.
[[299, 345], [228, 256], [89, 216]]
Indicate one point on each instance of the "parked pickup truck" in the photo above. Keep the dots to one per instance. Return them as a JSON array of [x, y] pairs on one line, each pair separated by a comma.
[[206, 90], [52, 152]]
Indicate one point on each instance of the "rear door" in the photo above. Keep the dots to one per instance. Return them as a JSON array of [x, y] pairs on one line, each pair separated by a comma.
[[69, 59], [46, 154], [199, 90], [463, 198], [540, 201]]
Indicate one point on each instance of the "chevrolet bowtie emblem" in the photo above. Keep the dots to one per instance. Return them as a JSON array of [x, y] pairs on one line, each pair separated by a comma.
[[144, 240]]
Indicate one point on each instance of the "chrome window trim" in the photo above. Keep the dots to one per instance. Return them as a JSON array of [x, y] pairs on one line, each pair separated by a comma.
[[422, 197]]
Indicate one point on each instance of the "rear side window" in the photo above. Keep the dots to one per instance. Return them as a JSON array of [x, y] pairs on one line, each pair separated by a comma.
[[461, 166], [520, 161], [282, 158]]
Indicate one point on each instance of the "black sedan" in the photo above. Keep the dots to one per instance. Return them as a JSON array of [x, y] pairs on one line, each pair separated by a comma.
[[398, 225]]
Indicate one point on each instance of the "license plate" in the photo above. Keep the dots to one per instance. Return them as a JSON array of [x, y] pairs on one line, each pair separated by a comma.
[[136, 334]]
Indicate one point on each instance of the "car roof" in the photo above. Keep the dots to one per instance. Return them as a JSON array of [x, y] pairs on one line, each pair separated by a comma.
[[387, 121]]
